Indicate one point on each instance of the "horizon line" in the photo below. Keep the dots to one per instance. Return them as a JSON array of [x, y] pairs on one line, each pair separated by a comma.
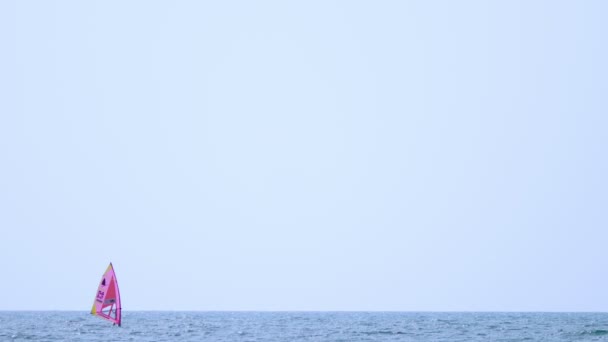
[[313, 311]]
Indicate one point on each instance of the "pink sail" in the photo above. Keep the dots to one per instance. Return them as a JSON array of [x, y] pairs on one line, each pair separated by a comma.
[[107, 300]]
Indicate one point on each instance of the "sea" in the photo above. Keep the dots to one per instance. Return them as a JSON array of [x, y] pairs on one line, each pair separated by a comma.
[[304, 326]]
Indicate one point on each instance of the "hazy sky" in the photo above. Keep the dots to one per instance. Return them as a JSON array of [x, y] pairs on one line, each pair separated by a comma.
[[305, 155]]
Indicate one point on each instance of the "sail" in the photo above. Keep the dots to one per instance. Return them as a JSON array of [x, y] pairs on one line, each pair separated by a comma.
[[107, 300]]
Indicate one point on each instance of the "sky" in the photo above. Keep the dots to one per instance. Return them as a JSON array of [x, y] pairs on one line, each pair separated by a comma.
[[305, 155]]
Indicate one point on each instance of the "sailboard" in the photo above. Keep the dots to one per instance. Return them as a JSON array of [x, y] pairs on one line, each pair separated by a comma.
[[107, 299]]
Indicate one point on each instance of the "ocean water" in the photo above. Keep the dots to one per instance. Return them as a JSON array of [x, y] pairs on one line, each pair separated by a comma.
[[305, 326]]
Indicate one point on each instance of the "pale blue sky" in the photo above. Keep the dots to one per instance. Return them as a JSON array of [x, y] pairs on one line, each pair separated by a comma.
[[305, 155]]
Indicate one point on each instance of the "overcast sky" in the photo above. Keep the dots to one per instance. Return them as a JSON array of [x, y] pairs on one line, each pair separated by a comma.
[[305, 155]]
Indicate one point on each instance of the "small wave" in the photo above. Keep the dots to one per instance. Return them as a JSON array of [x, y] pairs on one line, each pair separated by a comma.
[[596, 332], [384, 332], [599, 332]]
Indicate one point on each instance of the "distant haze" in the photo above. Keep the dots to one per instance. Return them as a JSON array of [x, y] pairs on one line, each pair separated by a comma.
[[305, 155]]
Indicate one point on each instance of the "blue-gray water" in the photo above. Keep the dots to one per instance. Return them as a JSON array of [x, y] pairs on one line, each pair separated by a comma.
[[305, 326]]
